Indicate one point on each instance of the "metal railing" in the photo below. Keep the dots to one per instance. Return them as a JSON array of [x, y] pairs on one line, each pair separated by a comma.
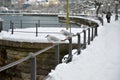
[[32, 57], [89, 35], [37, 24], [41, 23]]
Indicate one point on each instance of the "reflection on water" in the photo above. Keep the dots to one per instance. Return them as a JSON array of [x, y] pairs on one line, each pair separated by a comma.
[[30, 21]]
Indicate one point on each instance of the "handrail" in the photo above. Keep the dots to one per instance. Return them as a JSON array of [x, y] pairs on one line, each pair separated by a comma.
[[32, 56], [24, 59], [41, 51], [14, 63]]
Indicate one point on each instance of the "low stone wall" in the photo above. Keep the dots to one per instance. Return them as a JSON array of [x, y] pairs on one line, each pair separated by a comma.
[[45, 61], [30, 47]]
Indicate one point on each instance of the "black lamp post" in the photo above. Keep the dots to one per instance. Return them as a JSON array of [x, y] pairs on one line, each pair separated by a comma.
[[116, 9]]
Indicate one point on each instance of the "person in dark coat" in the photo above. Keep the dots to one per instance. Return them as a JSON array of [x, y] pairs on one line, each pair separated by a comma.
[[108, 16]]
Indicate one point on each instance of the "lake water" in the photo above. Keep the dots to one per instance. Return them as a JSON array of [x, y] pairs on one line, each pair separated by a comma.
[[30, 21]]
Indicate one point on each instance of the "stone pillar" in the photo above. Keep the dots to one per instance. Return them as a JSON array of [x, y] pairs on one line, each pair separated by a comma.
[[1, 25]]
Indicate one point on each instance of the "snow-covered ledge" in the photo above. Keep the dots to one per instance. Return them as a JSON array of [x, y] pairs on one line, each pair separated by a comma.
[[26, 40], [28, 34], [82, 20]]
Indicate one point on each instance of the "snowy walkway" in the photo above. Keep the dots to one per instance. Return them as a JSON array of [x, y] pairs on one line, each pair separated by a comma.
[[99, 61]]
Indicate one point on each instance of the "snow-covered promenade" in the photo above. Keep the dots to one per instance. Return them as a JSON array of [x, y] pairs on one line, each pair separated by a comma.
[[99, 61]]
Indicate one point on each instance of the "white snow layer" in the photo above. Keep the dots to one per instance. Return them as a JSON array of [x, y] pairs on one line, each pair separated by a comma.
[[99, 61], [29, 34]]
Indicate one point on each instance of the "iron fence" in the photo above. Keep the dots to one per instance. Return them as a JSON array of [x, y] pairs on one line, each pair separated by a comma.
[[37, 25], [89, 35], [41, 23]]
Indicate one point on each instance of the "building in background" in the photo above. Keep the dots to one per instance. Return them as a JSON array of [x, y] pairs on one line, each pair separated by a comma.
[[5, 3], [8, 3]]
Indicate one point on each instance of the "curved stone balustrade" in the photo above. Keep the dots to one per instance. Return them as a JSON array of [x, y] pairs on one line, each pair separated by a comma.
[[79, 20], [46, 60]]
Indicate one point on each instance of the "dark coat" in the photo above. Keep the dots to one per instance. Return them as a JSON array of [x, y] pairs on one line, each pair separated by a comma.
[[108, 15]]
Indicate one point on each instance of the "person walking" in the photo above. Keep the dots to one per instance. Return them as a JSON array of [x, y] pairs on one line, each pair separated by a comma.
[[108, 16]]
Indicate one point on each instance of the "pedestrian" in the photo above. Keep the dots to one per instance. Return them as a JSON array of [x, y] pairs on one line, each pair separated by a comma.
[[108, 16]]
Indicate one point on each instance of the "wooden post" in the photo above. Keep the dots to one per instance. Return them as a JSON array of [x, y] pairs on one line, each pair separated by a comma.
[[88, 36], [70, 50], [12, 26], [79, 43], [84, 31], [1, 25], [33, 66], [36, 30], [92, 35], [57, 54], [96, 30]]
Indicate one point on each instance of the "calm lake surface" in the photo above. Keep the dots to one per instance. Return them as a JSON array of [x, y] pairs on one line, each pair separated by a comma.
[[30, 21]]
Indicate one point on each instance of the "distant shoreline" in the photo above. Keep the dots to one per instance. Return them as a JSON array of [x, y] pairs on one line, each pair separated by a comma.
[[32, 14], [40, 14]]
